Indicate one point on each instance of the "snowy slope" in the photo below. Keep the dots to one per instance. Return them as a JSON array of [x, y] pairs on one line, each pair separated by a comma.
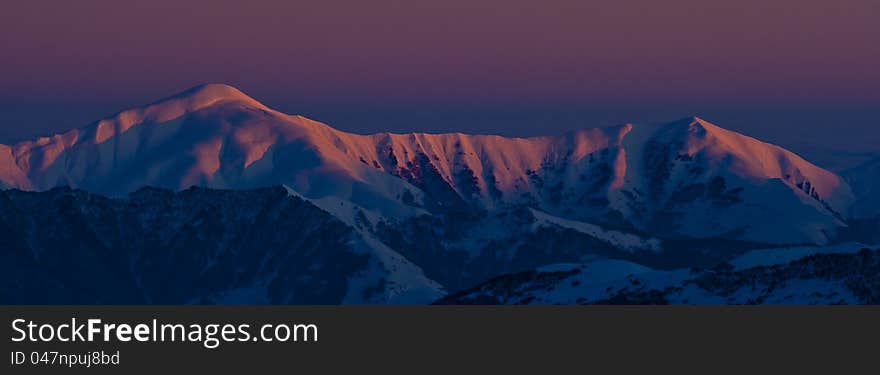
[[688, 178], [625, 241], [403, 282], [195, 246], [10, 174], [769, 257], [845, 275], [696, 179]]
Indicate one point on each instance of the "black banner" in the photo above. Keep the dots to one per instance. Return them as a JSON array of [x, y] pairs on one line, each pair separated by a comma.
[[414, 339]]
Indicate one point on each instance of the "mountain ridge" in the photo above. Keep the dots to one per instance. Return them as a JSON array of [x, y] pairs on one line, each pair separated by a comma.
[[211, 178], [214, 135], [193, 246]]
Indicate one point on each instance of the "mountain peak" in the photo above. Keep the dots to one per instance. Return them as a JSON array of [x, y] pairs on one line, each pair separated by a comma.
[[207, 94], [172, 107], [691, 126], [697, 119], [167, 109], [691, 120], [212, 89]]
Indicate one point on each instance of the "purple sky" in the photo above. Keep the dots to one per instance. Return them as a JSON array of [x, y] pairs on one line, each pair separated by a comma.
[[790, 71]]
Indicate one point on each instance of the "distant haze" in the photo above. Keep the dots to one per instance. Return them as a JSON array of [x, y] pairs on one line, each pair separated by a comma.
[[800, 73]]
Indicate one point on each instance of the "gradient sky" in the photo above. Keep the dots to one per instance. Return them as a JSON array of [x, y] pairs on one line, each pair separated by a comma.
[[803, 73]]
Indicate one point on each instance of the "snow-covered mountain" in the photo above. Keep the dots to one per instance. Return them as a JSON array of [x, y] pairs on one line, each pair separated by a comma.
[[312, 214], [847, 274], [195, 246], [683, 179]]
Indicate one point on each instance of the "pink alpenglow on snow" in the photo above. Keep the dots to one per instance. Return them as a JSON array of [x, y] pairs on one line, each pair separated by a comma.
[[216, 136]]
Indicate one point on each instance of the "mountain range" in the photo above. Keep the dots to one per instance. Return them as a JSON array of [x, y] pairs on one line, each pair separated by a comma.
[[421, 214]]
